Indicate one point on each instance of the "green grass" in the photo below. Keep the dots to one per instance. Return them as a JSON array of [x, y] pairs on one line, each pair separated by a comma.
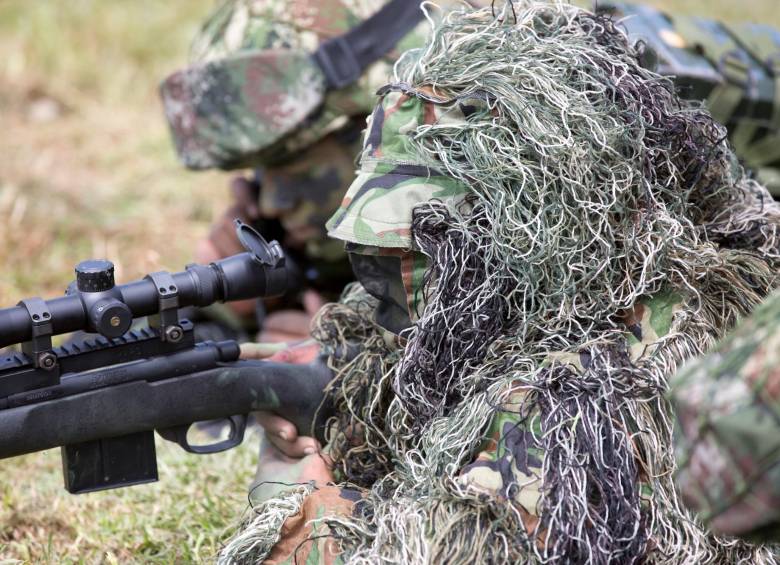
[[180, 519], [98, 178]]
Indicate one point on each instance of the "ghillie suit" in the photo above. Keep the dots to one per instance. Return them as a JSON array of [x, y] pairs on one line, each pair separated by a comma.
[[551, 232]]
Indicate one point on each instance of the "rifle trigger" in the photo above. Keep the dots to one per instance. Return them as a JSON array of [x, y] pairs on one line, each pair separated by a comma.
[[178, 434]]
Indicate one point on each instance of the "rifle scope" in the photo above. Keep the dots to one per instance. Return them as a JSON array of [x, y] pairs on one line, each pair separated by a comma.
[[93, 303]]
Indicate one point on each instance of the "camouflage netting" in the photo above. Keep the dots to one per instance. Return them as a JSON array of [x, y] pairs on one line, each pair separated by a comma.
[[594, 193]]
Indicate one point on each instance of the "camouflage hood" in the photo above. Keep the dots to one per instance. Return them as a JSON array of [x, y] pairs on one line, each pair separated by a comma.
[[377, 209], [375, 217]]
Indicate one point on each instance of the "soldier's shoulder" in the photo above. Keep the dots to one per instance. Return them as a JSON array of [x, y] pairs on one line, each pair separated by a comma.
[[727, 410]]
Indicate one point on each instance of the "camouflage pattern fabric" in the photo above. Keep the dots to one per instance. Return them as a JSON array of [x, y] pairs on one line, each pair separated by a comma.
[[306, 541], [284, 87], [509, 466], [252, 98], [727, 407], [253, 95], [374, 218], [377, 209], [649, 321]]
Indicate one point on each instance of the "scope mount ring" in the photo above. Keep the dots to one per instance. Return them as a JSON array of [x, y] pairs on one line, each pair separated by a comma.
[[265, 253], [39, 348], [168, 305]]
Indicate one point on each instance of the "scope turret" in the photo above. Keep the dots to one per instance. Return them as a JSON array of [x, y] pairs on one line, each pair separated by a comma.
[[95, 275], [93, 303]]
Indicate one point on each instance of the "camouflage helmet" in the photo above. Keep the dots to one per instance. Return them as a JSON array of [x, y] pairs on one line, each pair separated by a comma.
[[253, 95], [377, 209]]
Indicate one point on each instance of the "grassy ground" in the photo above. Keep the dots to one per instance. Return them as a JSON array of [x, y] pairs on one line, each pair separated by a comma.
[[180, 519], [86, 169]]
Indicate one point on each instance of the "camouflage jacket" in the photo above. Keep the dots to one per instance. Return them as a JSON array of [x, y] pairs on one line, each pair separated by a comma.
[[727, 408]]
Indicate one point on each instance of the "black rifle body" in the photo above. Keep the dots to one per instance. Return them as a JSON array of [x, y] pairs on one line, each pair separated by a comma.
[[102, 398], [241, 387], [112, 395]]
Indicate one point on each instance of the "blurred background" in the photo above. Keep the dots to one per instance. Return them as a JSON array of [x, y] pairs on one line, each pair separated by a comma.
[[87, 170]]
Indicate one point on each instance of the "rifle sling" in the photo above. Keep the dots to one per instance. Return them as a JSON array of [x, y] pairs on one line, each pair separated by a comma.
[[344, 58]]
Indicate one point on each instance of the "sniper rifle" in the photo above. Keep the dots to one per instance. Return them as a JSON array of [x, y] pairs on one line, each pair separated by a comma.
[[100, 399]]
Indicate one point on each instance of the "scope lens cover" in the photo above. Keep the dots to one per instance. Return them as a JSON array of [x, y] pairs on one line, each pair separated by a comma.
[[254, 243]]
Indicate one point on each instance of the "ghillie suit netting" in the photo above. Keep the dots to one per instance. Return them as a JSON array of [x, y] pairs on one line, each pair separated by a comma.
[[608, 235]]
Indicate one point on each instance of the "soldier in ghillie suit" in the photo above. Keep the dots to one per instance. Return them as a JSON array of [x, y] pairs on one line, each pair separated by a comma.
[[543, 232]]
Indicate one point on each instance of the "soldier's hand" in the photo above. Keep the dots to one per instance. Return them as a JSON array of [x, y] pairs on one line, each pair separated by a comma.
[[246, 194], [222, 240], [284, 437], [280, 432], [297, 353], [291, 325]]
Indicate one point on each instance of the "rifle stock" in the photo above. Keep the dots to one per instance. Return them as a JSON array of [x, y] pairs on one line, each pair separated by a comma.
[[117, 417], [294, 392]]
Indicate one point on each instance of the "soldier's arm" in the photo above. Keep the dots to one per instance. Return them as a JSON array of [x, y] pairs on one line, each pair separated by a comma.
[[727, 429]]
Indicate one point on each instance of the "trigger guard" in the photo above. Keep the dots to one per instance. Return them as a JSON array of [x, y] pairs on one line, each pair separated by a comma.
[[178, 435]]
